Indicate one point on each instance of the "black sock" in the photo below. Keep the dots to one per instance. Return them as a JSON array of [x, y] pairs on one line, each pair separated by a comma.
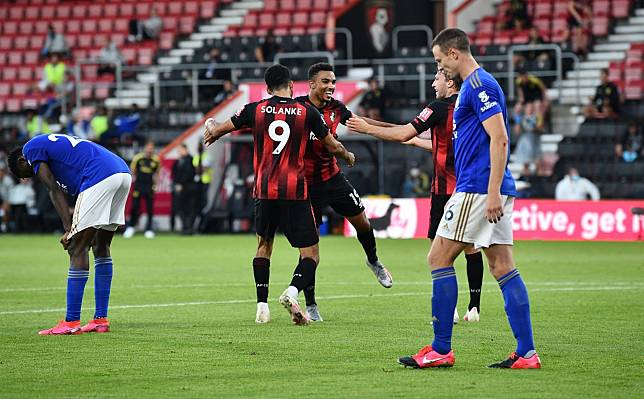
[[262, 271], [368, 242], [475, 279], [304, 274], [309, 294]]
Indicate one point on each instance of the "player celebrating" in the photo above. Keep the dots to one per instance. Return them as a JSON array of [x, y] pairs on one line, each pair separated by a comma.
[[281, 128], [438, 119], [145, 169], [327, 184], [67, 164], [480, 211]]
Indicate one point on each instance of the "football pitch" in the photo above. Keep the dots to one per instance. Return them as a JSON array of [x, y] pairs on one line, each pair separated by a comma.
[[183, 311]]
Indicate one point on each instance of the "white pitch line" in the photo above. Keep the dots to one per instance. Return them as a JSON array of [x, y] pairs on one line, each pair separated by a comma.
[[62, 287], [354, 296]]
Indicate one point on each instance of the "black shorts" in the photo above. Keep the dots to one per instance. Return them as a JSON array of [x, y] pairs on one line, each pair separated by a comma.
[[293, 217], [436, 213], [337, 193]]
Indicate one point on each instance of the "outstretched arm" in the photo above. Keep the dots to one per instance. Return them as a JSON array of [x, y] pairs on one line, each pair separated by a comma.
[[376, 123], [215, 131], [399, 133], [420, 143]]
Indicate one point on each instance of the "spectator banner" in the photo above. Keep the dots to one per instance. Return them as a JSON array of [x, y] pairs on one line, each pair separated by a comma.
[[531, 220], [343, 90]]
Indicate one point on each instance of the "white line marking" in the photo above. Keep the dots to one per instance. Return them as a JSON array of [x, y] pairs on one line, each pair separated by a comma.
[[62, 287], [355, 296]]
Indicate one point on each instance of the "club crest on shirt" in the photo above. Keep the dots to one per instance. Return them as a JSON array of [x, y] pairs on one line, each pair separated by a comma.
[[239, 111], [332, 116], [484, 97]]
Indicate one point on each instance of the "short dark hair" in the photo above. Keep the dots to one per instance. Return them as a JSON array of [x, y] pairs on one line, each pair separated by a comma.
[[277, 77], [320, 66], [12, 160], [458, 82], [605, 71], [452, 38]]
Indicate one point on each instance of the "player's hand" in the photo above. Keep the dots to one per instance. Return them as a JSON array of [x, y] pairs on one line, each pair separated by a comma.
[[357, 124], [64, 241], [210, 125], [494, 208], [351, 159]]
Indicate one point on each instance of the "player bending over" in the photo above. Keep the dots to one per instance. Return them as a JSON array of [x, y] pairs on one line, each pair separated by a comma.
[[437, 119], [479, 212], [281, 128], [67, 164], [327, 184]]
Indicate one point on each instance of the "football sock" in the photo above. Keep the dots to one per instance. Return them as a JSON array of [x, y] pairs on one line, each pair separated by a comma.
[[304, 274], [368, 242], [517, 307], [475, 279], [76, 280], [444, 297], [102, 285], [262, 271], [309, 294]]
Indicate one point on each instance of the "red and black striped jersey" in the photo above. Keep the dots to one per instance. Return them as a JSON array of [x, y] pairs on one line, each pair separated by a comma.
[[321, 165], [437, 117], [281, 128]]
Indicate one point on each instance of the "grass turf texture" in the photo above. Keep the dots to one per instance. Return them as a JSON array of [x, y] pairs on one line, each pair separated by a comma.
[[198, 338]]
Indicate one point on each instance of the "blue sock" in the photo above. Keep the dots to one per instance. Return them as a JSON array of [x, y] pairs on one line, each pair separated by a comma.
[[76, 280], [517, 307], [444, 297], [102, 285]]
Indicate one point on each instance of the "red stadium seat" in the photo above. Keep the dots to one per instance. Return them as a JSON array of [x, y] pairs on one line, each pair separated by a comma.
[[271, 5], [27, 28], [15, 58], [191, 8], [100, 40], [187, 24], [166, 40], [318, 18], [111, 10], [207, 9], [298, 31], [283, 19], [102, 92], [20, 89], [32, 13], [5, 89], [338, 3], [79, 11], [16, 13], [126, 10], [41, 28], [119, 38], [300, 19], [600, 26], [620, 8], [304, 5], [250, 20], [287, 5], [95, 11], [63, 11], [146, 56], [21, 42], [266, 20], [175, 8], [89, 25], [85, 41], [143, 9], [129, 54], [6, 43], [30, 57], [122, 25], [9, 74], [26, 74], [72, 26], [10, 28], [634, 90], [601, 7], [322, 5], [280, 31]]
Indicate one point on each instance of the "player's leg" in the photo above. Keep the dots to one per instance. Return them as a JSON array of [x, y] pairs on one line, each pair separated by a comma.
[[297, 222], [134, 214], [149, 205], [474, 261], [317, 197], [77, 277], [517, 307], [444, 296], [103, 270], [266, 222], [345, 200]]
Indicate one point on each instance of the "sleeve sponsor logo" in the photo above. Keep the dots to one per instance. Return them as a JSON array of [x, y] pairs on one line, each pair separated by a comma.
[[427, 112], [484, 97], [488, 105]]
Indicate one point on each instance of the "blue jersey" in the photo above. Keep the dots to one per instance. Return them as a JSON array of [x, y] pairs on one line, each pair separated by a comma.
[[480, 98], [76, 164]]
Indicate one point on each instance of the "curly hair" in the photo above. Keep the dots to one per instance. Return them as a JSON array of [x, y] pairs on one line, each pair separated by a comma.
[[12, 160]]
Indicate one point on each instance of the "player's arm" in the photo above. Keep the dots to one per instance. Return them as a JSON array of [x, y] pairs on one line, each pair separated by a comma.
[[215, 131], [399, 133], [495, 128], [58, 197], [337, 149], [155, 174], [420, 143], [375, 122]]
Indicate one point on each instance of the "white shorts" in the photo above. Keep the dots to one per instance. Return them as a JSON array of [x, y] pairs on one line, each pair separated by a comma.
[[102, 206], [464, 220]]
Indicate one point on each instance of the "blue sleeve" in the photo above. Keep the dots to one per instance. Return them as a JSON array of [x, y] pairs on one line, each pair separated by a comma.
[[485, 99], [35, 152]]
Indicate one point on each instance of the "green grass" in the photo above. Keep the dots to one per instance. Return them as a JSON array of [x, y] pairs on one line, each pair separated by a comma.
[[586, 303]]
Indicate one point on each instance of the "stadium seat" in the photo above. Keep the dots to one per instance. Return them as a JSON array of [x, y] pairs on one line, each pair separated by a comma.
[[79, 11], [111, 10]]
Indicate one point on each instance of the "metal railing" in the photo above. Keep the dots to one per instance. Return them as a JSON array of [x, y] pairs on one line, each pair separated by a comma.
[[420, 75]]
